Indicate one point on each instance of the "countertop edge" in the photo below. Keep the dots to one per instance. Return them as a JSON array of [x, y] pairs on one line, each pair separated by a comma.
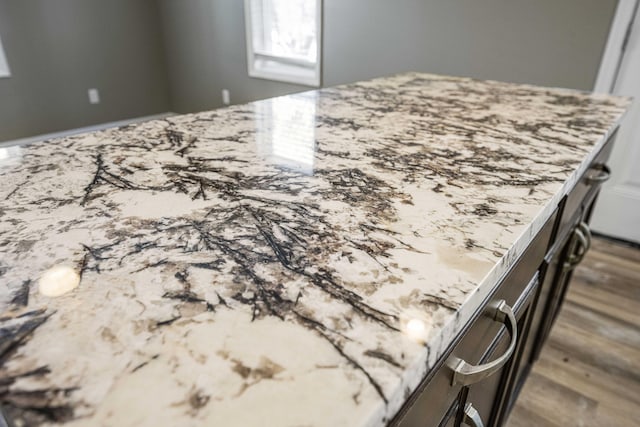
[[440, 343]]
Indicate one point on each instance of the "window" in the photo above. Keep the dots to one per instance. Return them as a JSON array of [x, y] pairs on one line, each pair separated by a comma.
[[4, 67], [283, 40]]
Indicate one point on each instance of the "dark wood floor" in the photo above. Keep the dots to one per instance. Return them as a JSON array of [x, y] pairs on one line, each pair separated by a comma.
[[589, 371]]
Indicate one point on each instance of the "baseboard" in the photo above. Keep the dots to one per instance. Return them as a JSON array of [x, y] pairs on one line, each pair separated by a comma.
[[93, 128], [616, 240]]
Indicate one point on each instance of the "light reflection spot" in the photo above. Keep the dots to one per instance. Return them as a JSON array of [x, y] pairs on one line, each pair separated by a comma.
[[415, 329], [58, 280]]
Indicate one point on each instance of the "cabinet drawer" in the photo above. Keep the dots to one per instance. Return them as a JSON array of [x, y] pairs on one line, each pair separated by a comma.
[[587, 186], [436, 396], [490, 396]]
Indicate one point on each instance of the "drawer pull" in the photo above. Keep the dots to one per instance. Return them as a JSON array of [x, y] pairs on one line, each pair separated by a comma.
[[602, 174], [465, 373], [472, 417], [583, 237]]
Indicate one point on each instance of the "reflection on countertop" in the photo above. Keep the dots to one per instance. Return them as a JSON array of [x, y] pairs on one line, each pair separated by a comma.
[[285, 130], [10, 155]]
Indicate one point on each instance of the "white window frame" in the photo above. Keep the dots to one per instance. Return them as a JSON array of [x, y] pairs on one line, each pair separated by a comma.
[[285, 69], [4, 66]]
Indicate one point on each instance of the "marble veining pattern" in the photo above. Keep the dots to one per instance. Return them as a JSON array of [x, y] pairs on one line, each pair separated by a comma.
[[296, 261]]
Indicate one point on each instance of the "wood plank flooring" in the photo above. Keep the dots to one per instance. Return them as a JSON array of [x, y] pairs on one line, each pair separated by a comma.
[[589, 371]]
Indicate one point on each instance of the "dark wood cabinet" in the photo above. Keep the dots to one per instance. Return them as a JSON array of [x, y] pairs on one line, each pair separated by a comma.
[[571, 242], [533, 290], [442, 401]]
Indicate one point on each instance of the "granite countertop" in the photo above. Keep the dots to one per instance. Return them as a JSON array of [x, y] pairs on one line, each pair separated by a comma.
[[298, 261]]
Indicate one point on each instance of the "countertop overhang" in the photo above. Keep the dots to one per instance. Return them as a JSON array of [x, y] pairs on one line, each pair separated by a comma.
[[302, 260]]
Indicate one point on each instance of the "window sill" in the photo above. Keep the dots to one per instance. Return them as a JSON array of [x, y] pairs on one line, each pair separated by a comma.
[[270, 70]]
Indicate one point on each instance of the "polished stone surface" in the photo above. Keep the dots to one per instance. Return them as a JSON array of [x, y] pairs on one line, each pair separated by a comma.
[[302, 260]]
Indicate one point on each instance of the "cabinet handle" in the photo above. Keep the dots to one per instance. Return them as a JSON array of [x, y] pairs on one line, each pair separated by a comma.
[[472, 417], [465, 373], [587, 233], [603, 173], [583, 235]]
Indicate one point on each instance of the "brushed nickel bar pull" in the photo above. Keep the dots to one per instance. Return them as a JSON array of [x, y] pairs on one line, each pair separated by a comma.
[[472, 417], [582, 234], [587, 233], [465, 373], [603, 173]]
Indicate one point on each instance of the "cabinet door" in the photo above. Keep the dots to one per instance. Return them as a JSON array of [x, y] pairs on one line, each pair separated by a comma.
[[452, 417], [485, 400], [544, 309], [574, 240], [558, 277]]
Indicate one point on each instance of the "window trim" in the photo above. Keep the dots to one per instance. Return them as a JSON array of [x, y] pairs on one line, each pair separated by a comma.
[[5, 71], [285, 71]]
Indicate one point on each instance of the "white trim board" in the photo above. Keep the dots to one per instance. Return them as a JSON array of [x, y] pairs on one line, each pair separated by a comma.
[[102, 126], [613, 50], [4, 65]]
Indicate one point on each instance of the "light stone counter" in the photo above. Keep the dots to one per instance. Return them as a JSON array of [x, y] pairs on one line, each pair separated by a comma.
[[298, 261]]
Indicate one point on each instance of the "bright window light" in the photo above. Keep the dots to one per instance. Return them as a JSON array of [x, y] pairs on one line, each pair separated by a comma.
[[283, 40], [286, 130], [4, 67]]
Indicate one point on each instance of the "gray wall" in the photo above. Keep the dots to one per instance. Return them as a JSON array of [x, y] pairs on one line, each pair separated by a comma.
[[546, 42], [59, 49], [153, 56], [206, 52]]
